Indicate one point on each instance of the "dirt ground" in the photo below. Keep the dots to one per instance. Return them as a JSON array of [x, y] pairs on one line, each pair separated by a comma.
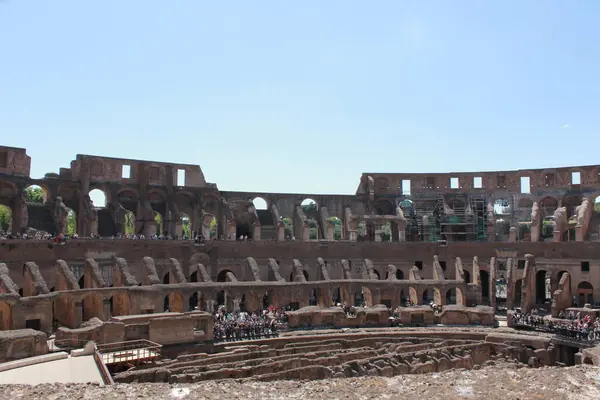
[[489, 383]]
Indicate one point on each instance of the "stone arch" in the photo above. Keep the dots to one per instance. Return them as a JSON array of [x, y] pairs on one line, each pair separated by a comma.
[[120, 304], [173, 302], [451, 296], [428, 296], [99, 197], [467, 276], [303, 273], [585, 293], [542, 287], [187, 231], [5, 316], [36, 194], [571, 202], [159, 220], [525, 202], [6, 218], [156, 196], [197, 301], [92, 306], [260, 203], [384, 207], [484, 278], [128, 197], [399, 274], [223, 276], [518, 293], [456, 203]]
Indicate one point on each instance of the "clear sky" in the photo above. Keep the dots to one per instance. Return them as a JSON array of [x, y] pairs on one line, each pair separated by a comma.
[[303, 96]]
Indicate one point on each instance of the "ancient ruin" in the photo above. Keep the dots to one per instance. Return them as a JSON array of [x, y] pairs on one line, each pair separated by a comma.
[[472, 244]]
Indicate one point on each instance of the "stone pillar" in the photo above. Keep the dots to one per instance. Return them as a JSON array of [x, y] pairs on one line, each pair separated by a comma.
[[256, 233], [579, 233], [78, 317], [280, 232], [236, 304], [210, 305], [106, 309], [377, 228], [557, 236], [353, 236]]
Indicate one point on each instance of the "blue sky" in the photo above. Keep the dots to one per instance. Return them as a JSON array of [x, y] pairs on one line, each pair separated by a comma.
[[302, 96]]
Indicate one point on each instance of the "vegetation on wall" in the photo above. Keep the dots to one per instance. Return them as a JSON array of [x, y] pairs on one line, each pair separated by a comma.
[[5, 218], [34, 194]]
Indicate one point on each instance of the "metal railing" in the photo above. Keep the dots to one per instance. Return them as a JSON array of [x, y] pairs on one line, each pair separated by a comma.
[[133, 351], [562, 331]]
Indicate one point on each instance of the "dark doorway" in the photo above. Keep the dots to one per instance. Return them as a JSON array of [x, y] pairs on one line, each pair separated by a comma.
[[34, 324]]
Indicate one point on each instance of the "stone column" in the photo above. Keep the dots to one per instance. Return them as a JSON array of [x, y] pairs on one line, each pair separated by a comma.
[[256, 232], [236, 304], [377, 228], [210, 305]]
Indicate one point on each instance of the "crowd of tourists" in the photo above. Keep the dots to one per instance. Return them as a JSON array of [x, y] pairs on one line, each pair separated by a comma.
[[569, 325], [239, 325]]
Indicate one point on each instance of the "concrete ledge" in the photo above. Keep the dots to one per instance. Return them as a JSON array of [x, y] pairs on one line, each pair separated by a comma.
[[33, 360]]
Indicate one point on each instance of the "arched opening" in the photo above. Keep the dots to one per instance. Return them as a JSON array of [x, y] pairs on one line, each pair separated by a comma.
[[384, 207], [173, 302], [337, 296], [502, 207], [597, 204], [243, 230], [585, 293], [259, 203], [221, 298], [158, 219], [311, 210], [71, 223], [91, 306], [377, 274], [243, 304], [120, 304], [337, 227], [266, 301], [588, 361], [399, 274], [223, 276], [412, 222], [518, 292], [359, 299], [5, 316], [467, 276], [451, 296], [166, 279], [313, 300], [194, 301], [303, 273], [5, 220], [186, 227], [106, 223], [98, 198], [542, 287], [427, 296], [484, 277], [194, 276], [560, 274], [40, 216], [35, 194]]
